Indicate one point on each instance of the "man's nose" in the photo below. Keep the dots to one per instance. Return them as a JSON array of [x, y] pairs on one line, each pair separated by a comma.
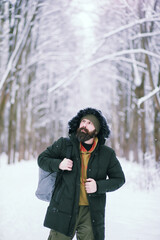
[[84, 124]]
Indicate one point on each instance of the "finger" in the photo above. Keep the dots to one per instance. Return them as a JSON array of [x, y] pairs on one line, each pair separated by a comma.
[[88, 190], [69, 160], [69, 169], [87, 187], [87, 184], [89, 180], [70, 165]]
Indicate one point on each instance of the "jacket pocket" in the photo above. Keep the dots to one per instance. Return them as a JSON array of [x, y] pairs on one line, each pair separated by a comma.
[[57, 220]]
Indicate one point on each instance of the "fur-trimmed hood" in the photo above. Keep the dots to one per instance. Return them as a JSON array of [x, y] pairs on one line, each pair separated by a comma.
[[104, 130]]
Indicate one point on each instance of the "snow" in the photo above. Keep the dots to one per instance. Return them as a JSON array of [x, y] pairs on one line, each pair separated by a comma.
[[132, 212], [134, 209], [21, 212]]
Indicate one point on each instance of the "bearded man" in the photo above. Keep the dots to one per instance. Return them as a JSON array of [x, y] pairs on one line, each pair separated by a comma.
[[79, 198]]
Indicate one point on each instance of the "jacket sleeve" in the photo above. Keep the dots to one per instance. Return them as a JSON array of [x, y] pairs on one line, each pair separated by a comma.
[[115, 177], [50, 159]]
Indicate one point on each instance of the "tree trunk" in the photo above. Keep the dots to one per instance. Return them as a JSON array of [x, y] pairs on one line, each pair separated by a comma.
[[22, 135], [157, 129], [134, 135], [157, 135], [10, 135]]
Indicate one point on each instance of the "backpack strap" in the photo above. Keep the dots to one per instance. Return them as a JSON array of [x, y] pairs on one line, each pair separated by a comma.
[[68, 155], [69, 148]]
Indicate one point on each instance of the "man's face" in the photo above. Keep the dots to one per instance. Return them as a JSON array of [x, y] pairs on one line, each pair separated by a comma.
[[87, 124], [86, 130]]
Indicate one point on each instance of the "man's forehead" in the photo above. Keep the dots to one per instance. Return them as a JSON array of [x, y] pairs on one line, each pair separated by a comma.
[[93, 119], [87, 120]]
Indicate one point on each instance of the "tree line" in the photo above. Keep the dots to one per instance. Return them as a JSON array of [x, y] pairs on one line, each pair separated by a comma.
[[57, 58]]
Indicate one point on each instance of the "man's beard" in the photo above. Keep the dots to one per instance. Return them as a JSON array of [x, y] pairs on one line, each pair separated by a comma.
[[85, 136]]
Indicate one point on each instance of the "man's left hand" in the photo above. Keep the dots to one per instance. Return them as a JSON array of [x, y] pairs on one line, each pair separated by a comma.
[[90, 185]]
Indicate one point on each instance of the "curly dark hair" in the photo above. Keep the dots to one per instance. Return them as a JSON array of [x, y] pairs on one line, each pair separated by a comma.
[[104, 130]]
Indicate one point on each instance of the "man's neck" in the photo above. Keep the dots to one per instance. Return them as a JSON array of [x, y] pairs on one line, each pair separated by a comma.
[[90, 141]]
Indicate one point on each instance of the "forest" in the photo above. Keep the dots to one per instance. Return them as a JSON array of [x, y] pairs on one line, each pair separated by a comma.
[[57, 57]]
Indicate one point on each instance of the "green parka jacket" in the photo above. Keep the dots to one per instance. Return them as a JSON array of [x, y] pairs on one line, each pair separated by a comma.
[[103, 167]]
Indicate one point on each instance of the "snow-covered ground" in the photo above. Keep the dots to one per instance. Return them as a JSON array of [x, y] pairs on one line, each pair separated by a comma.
[[132, 212]]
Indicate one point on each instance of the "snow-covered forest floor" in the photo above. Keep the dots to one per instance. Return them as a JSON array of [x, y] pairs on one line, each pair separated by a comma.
[[132, 212]]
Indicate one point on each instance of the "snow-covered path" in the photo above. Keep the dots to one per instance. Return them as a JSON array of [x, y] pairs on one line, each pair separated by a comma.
[[130, 213], [133, 215]]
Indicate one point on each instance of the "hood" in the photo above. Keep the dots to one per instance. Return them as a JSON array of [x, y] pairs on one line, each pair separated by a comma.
[[104, 130]]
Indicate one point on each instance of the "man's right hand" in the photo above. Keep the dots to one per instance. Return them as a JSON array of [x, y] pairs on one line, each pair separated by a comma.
[[66, 164]]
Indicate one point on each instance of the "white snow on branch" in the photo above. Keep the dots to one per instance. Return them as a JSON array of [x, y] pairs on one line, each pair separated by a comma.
[[122, 28], [120, 53], [145, 98], [141, 35], [99, 60], [67, 79], [125, 59], [139, 21]]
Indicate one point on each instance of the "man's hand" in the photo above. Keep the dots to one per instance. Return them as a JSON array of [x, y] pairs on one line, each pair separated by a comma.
[[66, 164], [90, 185]]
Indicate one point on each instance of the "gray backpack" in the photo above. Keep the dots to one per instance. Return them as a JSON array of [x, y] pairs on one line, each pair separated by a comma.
[[46, 182]]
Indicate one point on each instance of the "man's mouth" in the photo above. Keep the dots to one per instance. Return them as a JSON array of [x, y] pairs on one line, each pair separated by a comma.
[[83, 130]]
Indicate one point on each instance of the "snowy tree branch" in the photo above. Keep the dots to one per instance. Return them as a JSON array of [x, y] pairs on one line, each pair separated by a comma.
[[141, 35], [120, 53], [151, 94], [99, 60], [67, 79], [139, 21]]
